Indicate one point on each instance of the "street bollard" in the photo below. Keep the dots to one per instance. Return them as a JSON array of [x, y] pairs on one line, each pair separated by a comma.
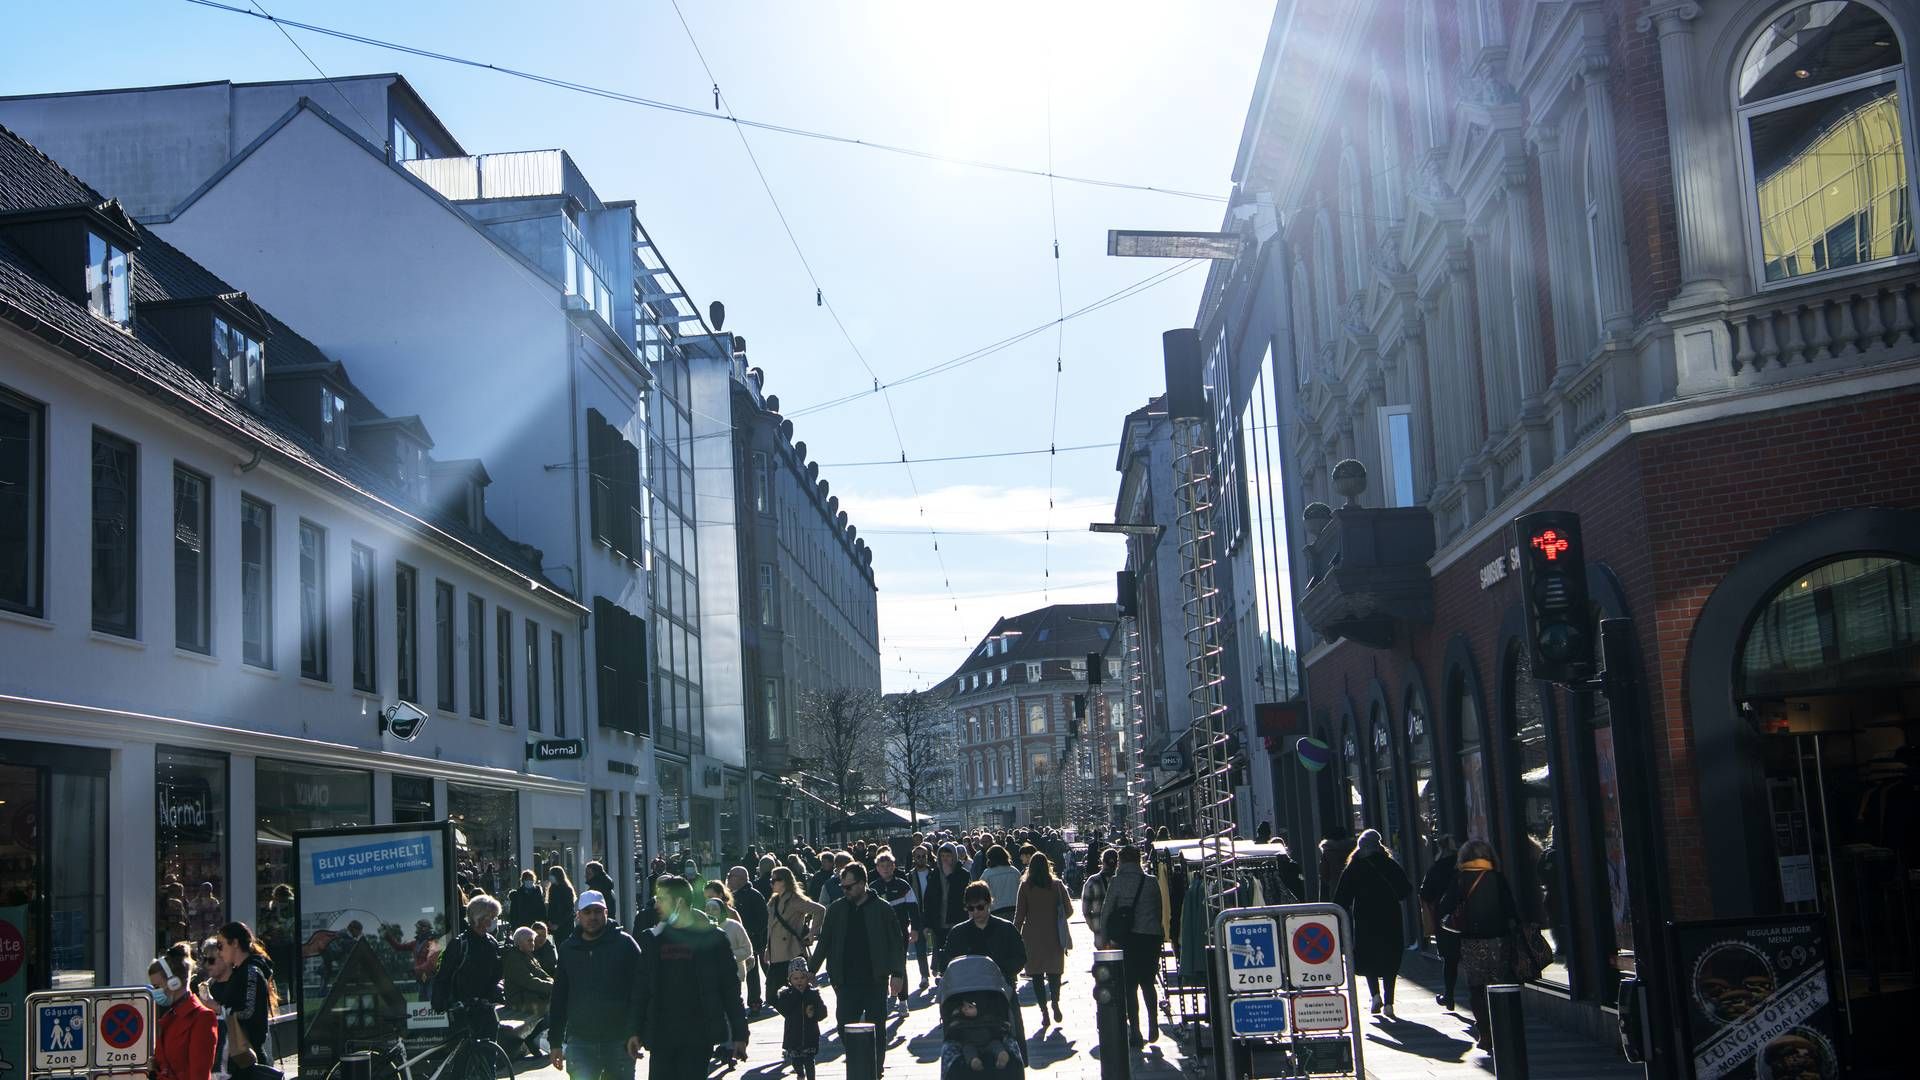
[[357, 1066], [862, 1044], [1507, 1018], [1110, 996]]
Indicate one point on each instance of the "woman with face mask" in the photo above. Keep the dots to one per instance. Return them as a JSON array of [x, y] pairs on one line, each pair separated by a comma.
[[185, 1031]]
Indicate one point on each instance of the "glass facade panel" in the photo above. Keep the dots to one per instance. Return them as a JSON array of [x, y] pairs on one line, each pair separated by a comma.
[[115, 496], [289, 796], [412, 799], [486, 836], [190, 846]]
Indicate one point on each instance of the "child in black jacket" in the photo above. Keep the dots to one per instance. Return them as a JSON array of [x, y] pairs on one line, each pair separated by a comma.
[[803, 1009]]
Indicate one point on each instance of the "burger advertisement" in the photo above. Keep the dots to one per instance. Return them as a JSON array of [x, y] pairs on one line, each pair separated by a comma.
[[1757, 1001]]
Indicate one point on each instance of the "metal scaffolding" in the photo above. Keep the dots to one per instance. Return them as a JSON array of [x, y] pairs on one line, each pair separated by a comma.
[[1200, 608], [1139, 788]]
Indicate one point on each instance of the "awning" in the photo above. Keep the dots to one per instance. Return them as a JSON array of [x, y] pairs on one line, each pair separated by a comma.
[[876, 818]]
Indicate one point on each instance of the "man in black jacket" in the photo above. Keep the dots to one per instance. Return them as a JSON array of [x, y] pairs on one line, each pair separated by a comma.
[[594, 1018], [980, 934], [941, 906], [689, 987], [861, 946], [751, 903]]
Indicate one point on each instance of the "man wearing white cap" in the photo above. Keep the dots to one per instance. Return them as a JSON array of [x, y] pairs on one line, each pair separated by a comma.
[[594, 1020]]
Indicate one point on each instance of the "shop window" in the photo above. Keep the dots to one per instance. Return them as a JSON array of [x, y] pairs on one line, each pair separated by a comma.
[[1386, 815], [290, 796], [1426, 795], [412, 799], [256, 582], [313, 601], [1838, 625], [1821, 111], [362, 567], [190, 843], [486, 835], [1538, 869], [1613, 836], [1468, 750]]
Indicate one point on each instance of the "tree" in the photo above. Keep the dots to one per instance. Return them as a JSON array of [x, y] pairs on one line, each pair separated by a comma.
[[841, 732], [1049, 794], [920, 751]]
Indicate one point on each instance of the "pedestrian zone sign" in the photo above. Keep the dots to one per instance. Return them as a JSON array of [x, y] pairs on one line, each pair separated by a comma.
[[122, 1031], [1258, 1016], [59, 1035], [1315, 957], [1253, 954]]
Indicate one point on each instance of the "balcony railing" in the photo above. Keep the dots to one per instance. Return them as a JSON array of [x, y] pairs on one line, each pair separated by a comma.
[[1844, 321]]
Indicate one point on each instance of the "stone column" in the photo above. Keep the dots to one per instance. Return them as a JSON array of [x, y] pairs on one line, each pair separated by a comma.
[[1495, 364], [1569, 282], [1609, 249], [1466, 382], [1419, 395], [1529, 372], [1703, 249]]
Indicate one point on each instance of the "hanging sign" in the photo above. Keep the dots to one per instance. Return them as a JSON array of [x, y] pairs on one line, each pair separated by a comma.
[[1315, 958]]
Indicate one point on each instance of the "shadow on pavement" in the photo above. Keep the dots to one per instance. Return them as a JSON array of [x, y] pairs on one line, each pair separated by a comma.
[[1050, 1048], [1421, 1039]]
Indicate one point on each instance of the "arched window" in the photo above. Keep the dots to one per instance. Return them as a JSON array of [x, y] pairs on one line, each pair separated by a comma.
[[1844, 623], [1383, 152], [1427, 75], [1537, 870], [1820, 95], [1353, 224], [1426, 796], [1327, 312], [1355, 776], [1473, 762], [1306, 346], [1009, 769], [1386, 806]]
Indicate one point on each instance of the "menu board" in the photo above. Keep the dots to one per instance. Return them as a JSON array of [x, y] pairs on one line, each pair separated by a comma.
[[1756, 999]]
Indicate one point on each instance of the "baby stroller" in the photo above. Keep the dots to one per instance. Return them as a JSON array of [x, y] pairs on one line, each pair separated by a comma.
[[978, 1023]]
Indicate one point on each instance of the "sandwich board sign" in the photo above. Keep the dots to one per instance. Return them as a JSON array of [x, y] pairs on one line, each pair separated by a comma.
[[1315, 958], [1253, 954]]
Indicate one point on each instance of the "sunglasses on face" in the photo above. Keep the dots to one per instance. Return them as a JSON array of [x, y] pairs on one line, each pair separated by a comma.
[[977, 907]]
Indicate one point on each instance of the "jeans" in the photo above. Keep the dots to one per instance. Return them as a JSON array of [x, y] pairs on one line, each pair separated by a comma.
[[1045, 988], [863, 1005], [598, 1060], [1141, 965]]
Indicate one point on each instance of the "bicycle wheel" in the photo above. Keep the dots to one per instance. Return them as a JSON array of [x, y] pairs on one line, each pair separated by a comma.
[[483, 1060]]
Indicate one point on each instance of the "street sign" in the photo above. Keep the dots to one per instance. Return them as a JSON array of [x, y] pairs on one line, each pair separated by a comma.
[[1253, 954], [59, 1034], [1315, 958], [1259, 1016], [122, 1031], [1320, 1011]]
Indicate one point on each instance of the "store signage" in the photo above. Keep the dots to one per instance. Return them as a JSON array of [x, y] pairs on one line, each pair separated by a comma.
[[556, 749], [709, 778], [1756, 997], [1496, 571], [186, 807], [1253, 954], [1170, 760], [402, 720]]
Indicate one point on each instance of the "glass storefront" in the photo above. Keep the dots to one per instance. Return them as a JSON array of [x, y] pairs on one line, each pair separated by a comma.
[[1386, 816], [190, 845], [486, 837], [1538, 873], [1355, 774], [557, 847], [53, 801], [1473, 769], [733, 835], [412, 799], [290, 796], [1426, 795]]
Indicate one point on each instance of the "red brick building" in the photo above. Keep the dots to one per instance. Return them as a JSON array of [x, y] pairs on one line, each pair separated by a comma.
[[1651, 262]]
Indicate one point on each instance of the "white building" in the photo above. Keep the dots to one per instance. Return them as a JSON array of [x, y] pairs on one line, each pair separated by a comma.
[[220, 562], [554, 346]]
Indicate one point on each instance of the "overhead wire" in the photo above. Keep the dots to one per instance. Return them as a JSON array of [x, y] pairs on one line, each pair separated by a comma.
[[1059, 354], [685, 110], [820, 299]]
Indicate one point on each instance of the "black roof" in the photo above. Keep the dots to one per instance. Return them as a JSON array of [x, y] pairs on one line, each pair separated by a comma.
[[1059, 632], [30, 180]]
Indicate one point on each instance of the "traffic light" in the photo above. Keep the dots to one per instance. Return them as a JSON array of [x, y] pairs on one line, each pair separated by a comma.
[[1095, 668], [1553, 584], [1128, 588]]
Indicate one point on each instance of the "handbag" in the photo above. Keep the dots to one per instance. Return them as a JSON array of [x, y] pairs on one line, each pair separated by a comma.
[[1121, 915], [242, 1062], [1528, 951]]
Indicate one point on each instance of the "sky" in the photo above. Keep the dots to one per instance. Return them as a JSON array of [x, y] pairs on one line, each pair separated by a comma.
[[921, 261]]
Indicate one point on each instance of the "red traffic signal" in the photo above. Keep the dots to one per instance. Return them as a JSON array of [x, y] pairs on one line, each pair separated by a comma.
[[1553, 584]]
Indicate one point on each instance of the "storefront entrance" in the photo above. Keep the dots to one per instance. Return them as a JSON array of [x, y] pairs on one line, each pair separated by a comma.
[[53, 866], [1829, 677]]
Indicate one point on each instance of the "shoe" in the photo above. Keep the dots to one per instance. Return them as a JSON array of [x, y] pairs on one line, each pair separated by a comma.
[[1136, 1040], [1057, 1018], [1444, 1002], [1374, 1008]]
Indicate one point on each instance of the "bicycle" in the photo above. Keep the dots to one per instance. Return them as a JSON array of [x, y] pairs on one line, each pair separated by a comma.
[[468, 1057]]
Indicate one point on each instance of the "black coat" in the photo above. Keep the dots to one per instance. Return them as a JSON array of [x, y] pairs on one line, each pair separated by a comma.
[[997, 941], [1371, 889], [560, 900], [942, 906], [471, 971], [751, 903], [697, 961], [596, 991], [1487, 908], [526, 905]]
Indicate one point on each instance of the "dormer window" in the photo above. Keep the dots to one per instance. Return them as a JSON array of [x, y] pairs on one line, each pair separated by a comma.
[[405, 146], [108, 294], [413, 469], [239, 362], [333, 421]]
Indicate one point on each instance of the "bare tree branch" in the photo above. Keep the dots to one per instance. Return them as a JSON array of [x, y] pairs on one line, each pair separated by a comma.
[[920, 751], [840, 733]]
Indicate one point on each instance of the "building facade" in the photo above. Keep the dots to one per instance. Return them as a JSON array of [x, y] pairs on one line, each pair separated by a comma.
[[568, 366], [808, 611], [1652, 263], [1029, 753], [221, 565]]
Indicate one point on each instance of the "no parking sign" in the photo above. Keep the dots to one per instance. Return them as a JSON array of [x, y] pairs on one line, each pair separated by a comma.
[[121, 1031], [1315, 958]]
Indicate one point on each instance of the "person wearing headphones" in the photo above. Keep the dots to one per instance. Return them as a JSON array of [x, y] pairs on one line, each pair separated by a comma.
[[185, 1031]]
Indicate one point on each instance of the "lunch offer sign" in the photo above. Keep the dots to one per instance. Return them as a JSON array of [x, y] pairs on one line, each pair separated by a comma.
[[1757, 999]]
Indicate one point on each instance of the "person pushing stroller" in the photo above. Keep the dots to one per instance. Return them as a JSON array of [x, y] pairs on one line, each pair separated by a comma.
[[977, 1009]]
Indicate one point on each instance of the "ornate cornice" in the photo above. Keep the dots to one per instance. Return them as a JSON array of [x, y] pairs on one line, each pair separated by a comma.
[[1671, 16]]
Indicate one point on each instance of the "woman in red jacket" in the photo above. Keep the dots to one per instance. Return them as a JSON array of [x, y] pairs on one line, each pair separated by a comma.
[[185, 1030]]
